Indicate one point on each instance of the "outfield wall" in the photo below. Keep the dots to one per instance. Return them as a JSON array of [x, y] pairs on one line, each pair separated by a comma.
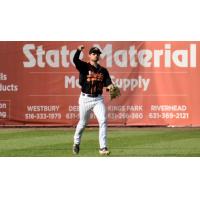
[[159, 83]]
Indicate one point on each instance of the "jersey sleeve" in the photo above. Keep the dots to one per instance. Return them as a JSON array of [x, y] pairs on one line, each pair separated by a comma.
[[107, 80], [81, 66]]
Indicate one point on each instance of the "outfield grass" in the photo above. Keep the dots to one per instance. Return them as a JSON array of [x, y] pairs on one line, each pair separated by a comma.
[[122, 142]]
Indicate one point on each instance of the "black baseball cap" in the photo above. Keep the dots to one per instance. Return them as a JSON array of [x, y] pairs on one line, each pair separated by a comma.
[[95, 50]]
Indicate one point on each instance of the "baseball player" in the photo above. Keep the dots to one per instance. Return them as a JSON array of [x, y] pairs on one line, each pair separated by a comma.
[[92, 79]]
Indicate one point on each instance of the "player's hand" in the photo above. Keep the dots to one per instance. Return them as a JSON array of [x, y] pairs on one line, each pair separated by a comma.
[[114, 91], [81, 47], [110, 87]]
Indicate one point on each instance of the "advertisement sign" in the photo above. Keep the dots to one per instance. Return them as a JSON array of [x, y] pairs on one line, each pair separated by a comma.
[[39, 84]]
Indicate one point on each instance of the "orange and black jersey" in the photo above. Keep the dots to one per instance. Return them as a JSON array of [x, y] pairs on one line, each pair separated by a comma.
[[92, 79]]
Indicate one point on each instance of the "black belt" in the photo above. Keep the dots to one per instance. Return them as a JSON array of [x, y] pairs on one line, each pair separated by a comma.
[[90, 95]]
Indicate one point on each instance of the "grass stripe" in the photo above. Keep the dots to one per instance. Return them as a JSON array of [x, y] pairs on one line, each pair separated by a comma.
[[122, 142]]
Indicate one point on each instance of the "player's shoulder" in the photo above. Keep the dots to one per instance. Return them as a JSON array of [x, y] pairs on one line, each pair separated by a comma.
[[103, 68]]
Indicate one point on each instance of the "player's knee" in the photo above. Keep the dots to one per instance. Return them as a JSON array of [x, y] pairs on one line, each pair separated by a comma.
[[82, 123], [103, 123]]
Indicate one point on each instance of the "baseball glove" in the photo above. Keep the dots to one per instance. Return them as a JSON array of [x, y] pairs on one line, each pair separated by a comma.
[[114, 92]]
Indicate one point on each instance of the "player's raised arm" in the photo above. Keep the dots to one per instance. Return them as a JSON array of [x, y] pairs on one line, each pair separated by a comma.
[[78, 63]]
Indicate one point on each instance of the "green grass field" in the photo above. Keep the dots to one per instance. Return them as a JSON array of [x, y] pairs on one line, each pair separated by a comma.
[[122, 142]]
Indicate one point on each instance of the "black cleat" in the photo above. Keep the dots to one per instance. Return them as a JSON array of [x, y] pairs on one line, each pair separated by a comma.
[[76, 148], [104, 151]]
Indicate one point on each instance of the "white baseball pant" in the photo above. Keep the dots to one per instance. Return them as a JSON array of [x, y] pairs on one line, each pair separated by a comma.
[[86, 105]]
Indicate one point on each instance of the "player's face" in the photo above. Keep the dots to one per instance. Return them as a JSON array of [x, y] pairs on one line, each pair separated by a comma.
[[94, 57]]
